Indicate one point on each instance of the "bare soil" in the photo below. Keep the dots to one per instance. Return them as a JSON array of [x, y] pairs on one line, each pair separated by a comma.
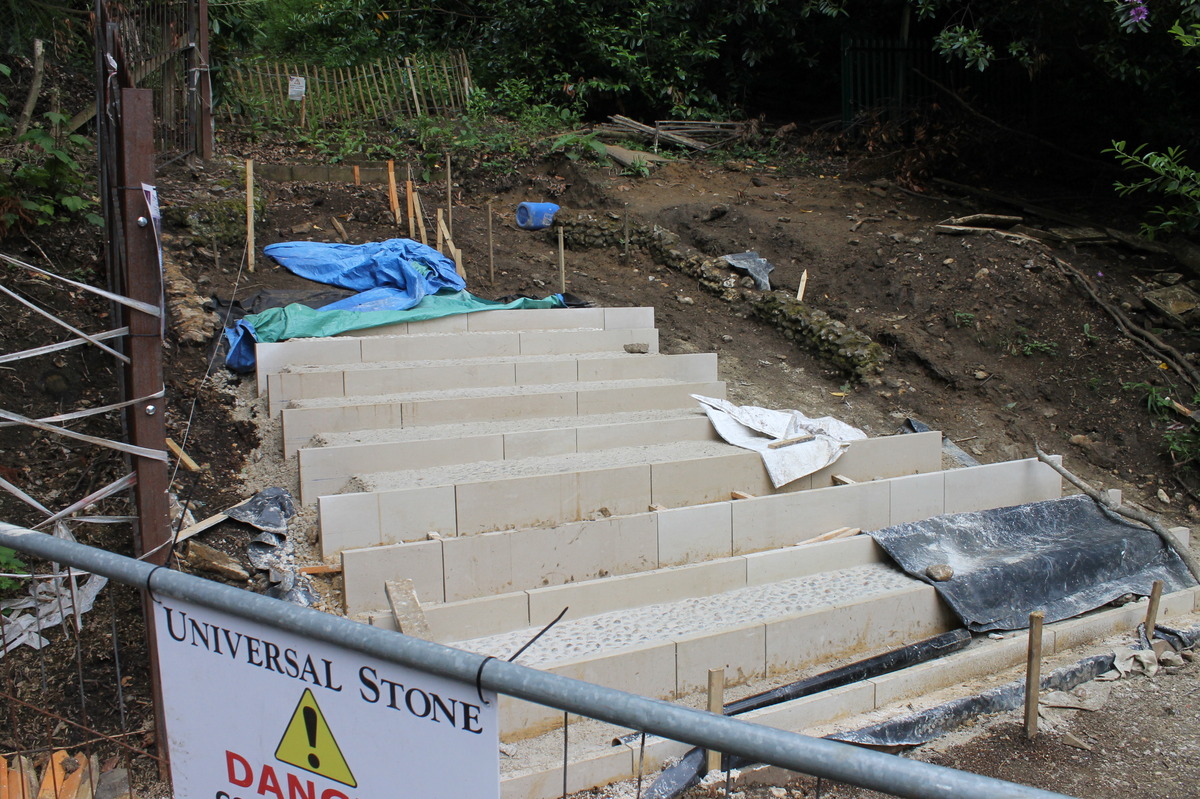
[[987, 341]]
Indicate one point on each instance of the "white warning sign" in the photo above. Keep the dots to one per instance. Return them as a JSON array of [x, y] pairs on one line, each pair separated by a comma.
[[255, 712]]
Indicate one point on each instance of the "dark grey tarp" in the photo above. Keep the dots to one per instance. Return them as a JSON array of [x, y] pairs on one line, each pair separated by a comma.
[[1062, 556]]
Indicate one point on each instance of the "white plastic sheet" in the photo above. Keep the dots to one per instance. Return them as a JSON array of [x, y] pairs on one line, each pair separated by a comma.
[[751, 427]]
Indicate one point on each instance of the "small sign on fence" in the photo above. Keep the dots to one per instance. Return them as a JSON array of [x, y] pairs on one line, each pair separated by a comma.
[[255, 711], [297, 87]]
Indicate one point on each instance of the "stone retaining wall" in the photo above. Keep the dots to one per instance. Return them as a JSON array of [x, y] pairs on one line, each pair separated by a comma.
[[835, 342]]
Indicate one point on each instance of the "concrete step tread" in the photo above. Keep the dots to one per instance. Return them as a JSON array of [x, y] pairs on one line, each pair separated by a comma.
[[491, 391], [708, 615], [480, 471], [468, 429], [369, 366]]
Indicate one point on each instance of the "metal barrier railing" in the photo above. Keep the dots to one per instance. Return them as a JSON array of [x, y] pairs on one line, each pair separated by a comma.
[[814, 756]]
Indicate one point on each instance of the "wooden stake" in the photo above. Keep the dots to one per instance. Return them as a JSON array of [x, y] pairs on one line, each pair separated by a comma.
[[803, 286], [833, 535], [1151, 611], [408, 197], [787, 442], [626, 234], [392, 198], [491, 247], [250, 214], [449, 199], [357, 176], [442, 232], [1033, 673], [562, 262], [420, 213], [716, 704]]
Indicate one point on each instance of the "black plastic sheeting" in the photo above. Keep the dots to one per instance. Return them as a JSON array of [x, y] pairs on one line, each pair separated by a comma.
[[1063, 557], [754, 265]]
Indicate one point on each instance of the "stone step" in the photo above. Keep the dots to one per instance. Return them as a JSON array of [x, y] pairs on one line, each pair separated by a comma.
[[304, 419], [391, 377], [481, 567], [327, 468], [540, 332], [481, 497]]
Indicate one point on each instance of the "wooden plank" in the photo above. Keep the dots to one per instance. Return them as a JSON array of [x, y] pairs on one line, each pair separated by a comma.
[[406, 609], [184, 459], [420, 211], [53, 775], [211, 521], [716, 705], [843, 480], [324, 568], [740, 495]]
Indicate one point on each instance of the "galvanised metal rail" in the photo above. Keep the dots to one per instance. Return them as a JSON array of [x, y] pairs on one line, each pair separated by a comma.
[[814, 756]]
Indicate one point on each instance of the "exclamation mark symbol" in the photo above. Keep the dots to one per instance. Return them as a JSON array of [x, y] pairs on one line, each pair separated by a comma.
[[310, 726]]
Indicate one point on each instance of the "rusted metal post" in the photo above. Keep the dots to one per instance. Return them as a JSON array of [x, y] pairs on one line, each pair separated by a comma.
[[144, 374], [204, 120]]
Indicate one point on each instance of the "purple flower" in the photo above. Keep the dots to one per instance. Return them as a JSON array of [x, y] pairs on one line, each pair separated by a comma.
[[1137, 10]]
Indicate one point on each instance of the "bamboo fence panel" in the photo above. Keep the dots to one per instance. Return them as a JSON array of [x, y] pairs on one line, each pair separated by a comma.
[[379, 92]]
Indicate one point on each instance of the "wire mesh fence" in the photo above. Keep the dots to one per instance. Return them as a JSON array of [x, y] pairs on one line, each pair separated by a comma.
[[76, 717]]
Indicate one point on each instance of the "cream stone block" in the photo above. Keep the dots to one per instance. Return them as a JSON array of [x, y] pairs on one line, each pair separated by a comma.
[[478, 565], [693, 481], [455, 323], [648, 670], [1070, 633], [999, 485], [616, 491], [697, 533], [786, 519], [411, 514], [740, 651], [594, 597], [543, 500], [888, 456], [785, 564], [326, 470], [273, 357], [569, 342], [348, 521], [538, 500], [645, 397], [629, 317], [612, 765], [441, 346], [693, 367], [917, 497], [397, 329], [401, 379], [854, 628], [813, 711], [475, 618], [365, 571], [535, 319], [301, 424], [636, 434], [535, 443], [531, 373], [451, 409]]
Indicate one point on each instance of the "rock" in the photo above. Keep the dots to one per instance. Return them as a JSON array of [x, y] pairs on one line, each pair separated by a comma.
[[637, 348], [1163, 497], [727, 338], [1080, 440], [1170, 278], [939, 572], [204, 558], [981, 375], [686, 301]]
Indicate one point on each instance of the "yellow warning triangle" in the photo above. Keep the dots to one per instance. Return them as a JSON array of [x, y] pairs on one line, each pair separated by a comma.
[[308, 743]]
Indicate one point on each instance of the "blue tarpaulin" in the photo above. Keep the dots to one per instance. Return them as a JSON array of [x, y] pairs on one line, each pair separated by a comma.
[[399, 280]]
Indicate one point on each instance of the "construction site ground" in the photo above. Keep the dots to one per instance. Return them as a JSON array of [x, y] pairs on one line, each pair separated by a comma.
[[987, 340]]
